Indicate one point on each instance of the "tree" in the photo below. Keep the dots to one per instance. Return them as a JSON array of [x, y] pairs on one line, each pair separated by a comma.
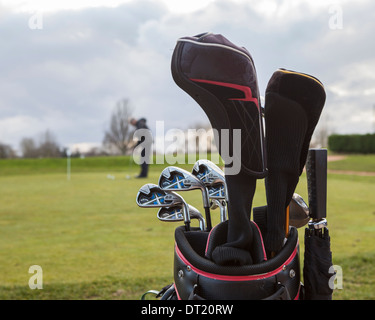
[[28, 148], [119, 134], [47, 147], [6, 151]]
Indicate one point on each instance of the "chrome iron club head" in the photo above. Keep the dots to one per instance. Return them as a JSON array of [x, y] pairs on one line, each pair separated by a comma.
[[152, 196], [210, 174], [214, 179], [175, 213], [177, 179]]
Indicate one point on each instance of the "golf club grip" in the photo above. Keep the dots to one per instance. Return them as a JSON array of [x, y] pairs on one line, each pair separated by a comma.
[[316, 171]]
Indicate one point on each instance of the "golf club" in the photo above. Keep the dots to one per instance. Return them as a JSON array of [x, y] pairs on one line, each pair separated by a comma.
[[223, 208], [294, 102], [177, 179], [217, 196], [214, 179], [152, 196], [221, 77], [208, 172], [299, 213], [175, 213]]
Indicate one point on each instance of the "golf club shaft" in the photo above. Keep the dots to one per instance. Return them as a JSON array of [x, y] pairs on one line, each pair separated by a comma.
[[202, 224], [208, 218], [187, 218], [287, 222], [223, 211]]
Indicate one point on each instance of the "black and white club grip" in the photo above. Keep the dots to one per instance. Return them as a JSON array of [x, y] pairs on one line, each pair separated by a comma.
[[316, 171]]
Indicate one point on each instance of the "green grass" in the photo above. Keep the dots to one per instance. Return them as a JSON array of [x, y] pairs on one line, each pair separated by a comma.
[[89, 164], [59, 165], [94, 242], [354, 163]]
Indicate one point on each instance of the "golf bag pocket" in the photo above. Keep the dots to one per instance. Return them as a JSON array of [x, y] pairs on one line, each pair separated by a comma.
[[198, 278]]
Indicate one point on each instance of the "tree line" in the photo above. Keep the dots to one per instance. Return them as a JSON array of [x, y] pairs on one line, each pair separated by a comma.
[[44, 147], [118, 139], [352, 143]]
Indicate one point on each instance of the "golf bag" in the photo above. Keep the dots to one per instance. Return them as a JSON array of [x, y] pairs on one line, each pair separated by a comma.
[[198, 278], [240, 258]]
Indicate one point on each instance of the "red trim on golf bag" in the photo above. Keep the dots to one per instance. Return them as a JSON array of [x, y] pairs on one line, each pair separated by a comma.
[[237, 278], [178, 296]]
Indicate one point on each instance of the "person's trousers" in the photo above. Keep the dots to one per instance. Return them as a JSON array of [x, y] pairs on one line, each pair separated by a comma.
[[144, 164]]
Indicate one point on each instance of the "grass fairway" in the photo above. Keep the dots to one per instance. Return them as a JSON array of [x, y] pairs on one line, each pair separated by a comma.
[[93, 242], [355, 163]]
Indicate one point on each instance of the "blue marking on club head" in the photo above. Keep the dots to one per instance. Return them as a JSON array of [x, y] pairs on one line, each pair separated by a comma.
[[181, 181]]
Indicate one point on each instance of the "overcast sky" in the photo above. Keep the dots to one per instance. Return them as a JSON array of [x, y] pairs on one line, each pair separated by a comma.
[[65, 64]]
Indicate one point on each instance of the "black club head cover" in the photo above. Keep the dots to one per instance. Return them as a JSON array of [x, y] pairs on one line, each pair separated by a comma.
[[221, 78], [294, 102]]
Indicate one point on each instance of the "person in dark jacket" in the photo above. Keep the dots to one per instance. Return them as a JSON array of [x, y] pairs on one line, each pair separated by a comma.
[[141, 124]]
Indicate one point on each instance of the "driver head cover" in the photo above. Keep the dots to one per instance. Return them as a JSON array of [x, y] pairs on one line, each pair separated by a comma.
[[221, 78]]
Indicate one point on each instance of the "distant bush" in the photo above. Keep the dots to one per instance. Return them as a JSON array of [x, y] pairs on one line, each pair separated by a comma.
[[352, 143]]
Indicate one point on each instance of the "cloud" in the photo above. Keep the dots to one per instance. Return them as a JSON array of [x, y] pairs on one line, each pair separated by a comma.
[[68, 76]]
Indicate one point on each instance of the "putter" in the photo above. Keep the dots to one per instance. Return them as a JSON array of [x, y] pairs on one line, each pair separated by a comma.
[[152, 196], [175, 213], [177, 179]]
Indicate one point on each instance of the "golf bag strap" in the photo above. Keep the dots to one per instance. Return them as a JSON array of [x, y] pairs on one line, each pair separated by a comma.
[[280, 294]]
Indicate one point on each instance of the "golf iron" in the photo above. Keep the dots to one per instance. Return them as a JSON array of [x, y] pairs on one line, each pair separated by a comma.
[[177, 179], [214, 179], [175, 213], [152, 196]]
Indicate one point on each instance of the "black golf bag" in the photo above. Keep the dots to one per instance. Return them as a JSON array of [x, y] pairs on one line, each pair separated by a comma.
[[198, 278], [240, 258]]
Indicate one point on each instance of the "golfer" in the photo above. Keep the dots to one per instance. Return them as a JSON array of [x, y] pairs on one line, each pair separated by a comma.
[[146, 146]]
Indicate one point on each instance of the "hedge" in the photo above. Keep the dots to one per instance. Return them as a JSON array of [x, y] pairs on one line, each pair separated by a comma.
[[352, 143]]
